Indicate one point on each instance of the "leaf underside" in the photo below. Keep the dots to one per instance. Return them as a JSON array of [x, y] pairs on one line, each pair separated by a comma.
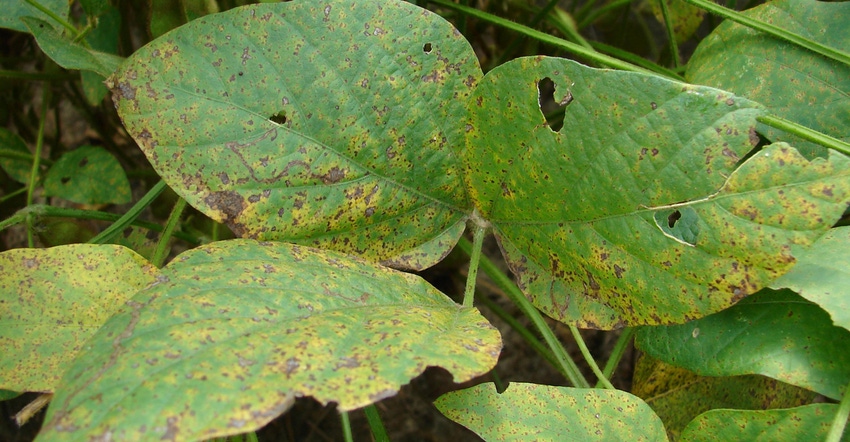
[[237, 329], [636, 211], [805, 348], [333, 124]]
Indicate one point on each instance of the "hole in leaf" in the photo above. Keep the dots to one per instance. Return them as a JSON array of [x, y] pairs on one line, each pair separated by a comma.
[[552, 104], [279, 118], [427, 48], [672, 218], [65, 179]]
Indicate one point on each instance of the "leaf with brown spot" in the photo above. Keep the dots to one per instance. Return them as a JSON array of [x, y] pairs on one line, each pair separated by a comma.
[[329, 132], [542, 412], [51, 302], [685, 231], [791, 81], [236, 329]]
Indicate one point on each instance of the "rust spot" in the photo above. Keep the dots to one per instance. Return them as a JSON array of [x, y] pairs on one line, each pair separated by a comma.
[[753, 136], [229, 203], [333, 176]]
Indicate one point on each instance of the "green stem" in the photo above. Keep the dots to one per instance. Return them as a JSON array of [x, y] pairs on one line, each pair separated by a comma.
[[474, 258], [617, 354], [55, 17], [130, 216], [379, 433], [36, 159], [251, 437], [346, 427], [568, 46], [567, 365], [18, 155], [40, 210], [523, 332], [671, 34], [38, 76], [836, 430], [161, 252], [628, 56], [589, 358], [11, 195], [590, 18], [835, 54], [533, 22], [805, 133]]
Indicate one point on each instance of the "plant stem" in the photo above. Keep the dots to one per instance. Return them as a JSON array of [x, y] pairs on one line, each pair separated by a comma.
[[567, 365], [36, 158], [55, 17], [671, 34], [524, 333], [617, 354], [474, 258], [130, 216], [543, 37], [827, 51], [346, 427], [40, 210], [589, 358], [805, 133], [379, 433], [836, 430], [251, 437], [162, 249]]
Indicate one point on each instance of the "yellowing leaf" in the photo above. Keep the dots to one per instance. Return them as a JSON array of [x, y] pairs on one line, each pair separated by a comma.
[[237, 329], [52, 300]]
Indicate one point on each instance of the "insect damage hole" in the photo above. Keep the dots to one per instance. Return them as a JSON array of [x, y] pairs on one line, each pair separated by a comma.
[[672, 218], [279, 118], [552, 108], [426, 48]]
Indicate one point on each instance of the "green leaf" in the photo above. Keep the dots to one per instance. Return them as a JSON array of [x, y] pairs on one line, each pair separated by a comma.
[[776, 334], [634, 211], [68, 54], [686, 18], [678, 395], [792, 82], [810, 422], [53, 300], [335, 125], [88, 175], [104, 38], [822, 275], [542, 412], [237, 328], [14, 10], [18, 169]]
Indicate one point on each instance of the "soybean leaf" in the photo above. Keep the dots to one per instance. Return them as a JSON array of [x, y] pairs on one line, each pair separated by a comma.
[[104, 38], [686, 18], [678, 395], [822, 275], [14, 10], [542, 412], [68, 54], [52, 300], [18, 169], [238, 328], [792, 82], [773, 333], [88, 175], [810, 422], [333, 124], [634, 212]]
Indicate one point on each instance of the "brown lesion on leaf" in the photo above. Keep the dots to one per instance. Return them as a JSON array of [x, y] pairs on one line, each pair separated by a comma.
[[229, 204], [753, 136]]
